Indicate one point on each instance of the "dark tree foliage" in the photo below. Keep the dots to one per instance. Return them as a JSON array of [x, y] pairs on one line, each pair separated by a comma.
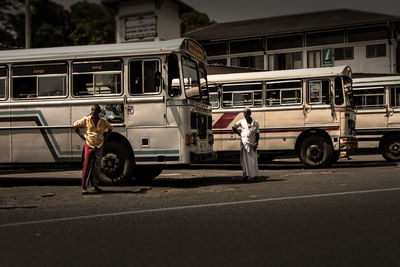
[[50, 24], [192, 20], [91, 24], [53, 25]]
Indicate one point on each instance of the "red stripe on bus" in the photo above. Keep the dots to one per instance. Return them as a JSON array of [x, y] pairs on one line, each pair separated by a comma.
[[278, 131], [225, 120]]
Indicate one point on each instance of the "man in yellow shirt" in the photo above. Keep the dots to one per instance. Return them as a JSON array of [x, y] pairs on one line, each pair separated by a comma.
[[94, 143]]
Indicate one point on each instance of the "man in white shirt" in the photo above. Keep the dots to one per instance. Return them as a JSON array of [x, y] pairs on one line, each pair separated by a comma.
[[249, 131]]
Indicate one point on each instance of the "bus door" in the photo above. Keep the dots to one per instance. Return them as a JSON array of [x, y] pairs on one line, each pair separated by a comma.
[[284, 117], [317, 108], [5, 132], [393, 110], [146, 103], [372, 114]]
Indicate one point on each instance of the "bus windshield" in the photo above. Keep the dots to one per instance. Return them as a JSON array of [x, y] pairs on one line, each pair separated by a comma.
[[348, 90], [191, 79]]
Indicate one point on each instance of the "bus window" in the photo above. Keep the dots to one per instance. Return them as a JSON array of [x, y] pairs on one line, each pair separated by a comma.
[[242, 95], [318, 92], [143, 76], [42, 80], [191, 79], [214, 97], [96, 77], [174, 88], [51, 86], [369, 97], [3, 82], [339, 99], [203, 85], [283, 93], [395, 97], [242, 99]]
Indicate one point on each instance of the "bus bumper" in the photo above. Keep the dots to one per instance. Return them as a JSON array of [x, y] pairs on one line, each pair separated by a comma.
[[201, 157]]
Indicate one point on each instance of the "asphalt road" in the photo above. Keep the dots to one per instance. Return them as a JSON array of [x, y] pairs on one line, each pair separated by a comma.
[[346, 215]]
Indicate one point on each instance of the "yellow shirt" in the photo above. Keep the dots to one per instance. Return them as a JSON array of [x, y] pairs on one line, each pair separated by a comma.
[[94, 134]]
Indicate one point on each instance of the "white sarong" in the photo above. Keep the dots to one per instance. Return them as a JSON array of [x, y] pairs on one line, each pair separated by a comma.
[[248, 160]]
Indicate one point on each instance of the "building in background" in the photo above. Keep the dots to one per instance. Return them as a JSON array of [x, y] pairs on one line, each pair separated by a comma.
[[146, 20], [367, 42]]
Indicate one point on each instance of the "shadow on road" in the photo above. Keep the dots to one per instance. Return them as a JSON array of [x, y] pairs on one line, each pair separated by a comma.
[[205, 181], [14, 182]]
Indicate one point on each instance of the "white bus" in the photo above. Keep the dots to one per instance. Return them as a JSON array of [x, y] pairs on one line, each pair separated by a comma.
[[154, 93], [377, 103], [307, 112]]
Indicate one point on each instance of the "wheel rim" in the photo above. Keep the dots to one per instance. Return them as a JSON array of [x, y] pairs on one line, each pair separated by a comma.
[[111, 165], [394, 149], [314, 153]]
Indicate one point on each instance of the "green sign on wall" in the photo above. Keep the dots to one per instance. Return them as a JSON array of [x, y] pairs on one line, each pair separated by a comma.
[[327, 57]]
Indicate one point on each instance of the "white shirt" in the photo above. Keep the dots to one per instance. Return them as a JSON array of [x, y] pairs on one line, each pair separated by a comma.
[[248, 134]]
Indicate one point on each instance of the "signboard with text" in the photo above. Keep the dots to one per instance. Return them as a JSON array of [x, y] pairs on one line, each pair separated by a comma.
[[140, 27], [327, 57]]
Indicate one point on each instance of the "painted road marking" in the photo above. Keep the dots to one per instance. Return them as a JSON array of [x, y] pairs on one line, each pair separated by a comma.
[[221, 204]]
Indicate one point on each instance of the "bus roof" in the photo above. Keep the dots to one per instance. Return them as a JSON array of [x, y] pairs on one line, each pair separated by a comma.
[[84, 51], [386, 80], [280, 74]]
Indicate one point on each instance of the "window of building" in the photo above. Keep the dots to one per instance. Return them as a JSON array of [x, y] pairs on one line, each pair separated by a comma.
[[39, 80], [245, 46], [221, 61], [395, 97], [376, 50], [318, 92], [215, 49], [314, 59], [96, 77], [324, 38], [285, 42], [242, 95], [286, 61], [283, 93], [368, 34], [372, 97], [3, 82], [256, 62], [344, 53]]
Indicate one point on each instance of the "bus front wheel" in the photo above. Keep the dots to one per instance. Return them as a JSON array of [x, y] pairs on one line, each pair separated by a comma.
[[116, 164], [315, 152], [391, 148]]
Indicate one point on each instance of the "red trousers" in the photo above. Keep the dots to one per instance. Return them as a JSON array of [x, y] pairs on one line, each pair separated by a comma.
[[91, 166]]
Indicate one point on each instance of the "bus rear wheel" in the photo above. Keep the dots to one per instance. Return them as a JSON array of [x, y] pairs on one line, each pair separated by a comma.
[[116, 164], [315, 152], [146, 173], [391, 148]]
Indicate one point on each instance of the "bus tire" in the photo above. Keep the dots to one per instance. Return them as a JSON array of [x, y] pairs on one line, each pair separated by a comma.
[[335, 156], [315, 152], [391, 148], [146, 173], [116, 164]]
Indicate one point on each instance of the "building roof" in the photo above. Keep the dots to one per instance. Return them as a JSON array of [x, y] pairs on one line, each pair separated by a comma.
[[321, 20]]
